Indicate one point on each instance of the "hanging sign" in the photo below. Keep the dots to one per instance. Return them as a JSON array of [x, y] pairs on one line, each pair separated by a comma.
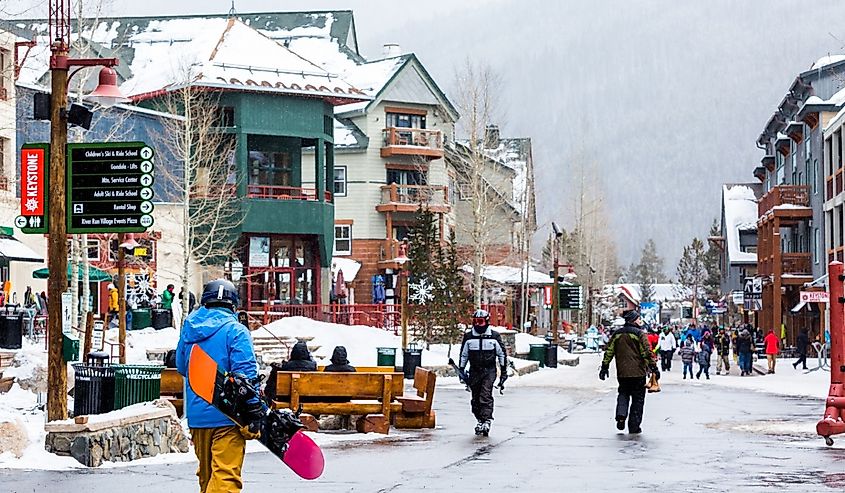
[[815, 297], [34, 182], [109, 187], [259, 251]]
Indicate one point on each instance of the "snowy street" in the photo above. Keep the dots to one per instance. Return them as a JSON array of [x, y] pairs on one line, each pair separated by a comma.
[[553, 432]]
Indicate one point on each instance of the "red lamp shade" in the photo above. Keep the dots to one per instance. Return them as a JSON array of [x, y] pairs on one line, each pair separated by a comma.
[[107, 93], [129, 242]]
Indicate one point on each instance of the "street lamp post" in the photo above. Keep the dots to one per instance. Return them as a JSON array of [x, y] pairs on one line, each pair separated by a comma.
[[60, 63], [556, 285], [401, 260]]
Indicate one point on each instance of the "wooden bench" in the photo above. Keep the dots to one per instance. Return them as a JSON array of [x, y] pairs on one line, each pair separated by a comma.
[[417, 409], [173, 388], [370, 394], [367, 369]]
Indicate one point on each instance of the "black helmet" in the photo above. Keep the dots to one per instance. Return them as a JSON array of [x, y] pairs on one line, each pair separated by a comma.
[[220, 292], [481, 319]]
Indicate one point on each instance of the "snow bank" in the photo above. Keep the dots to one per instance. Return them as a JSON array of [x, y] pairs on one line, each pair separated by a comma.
[[361, 342], [29, 367]]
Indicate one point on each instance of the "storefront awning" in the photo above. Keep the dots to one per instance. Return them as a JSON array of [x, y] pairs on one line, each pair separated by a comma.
[[13, 249], [94, 274]]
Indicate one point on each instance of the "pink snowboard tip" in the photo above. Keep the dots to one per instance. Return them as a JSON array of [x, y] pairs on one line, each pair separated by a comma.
[[304, 457]]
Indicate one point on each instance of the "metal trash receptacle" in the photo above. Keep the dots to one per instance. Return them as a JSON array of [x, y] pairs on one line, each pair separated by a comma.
[[537, 352], [386, 356], [11, 327], [551, 355], [161, 318], [93, 388], [411, 359], [70, 347], [141, 319], [136, 383]]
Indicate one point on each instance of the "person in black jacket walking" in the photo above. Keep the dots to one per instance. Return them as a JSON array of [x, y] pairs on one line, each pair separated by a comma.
[[482, 348], [801, 344], [744, 348]]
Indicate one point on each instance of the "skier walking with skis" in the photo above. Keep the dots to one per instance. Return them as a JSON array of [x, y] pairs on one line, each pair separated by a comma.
[[482, 348], [634, 360], [218, 442]]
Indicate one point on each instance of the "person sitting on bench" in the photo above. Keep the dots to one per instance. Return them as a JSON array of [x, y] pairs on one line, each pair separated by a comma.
[[340, 363]]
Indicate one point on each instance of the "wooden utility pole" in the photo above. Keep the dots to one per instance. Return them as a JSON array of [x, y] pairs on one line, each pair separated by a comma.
[[121, 298], [89, 333]]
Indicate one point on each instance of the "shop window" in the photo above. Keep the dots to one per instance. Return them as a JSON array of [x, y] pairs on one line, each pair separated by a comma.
[[270, 169]]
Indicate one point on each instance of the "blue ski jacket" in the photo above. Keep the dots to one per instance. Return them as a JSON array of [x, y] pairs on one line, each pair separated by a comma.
[[219, 334]]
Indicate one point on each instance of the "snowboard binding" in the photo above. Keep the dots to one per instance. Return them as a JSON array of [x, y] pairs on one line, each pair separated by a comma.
[[482, 428]]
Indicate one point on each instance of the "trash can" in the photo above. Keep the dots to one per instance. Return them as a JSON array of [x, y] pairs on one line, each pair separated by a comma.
[[537, 352], [141, 319], [136, 383], [11, 327], [386, 356], [93, 388], [411, 359], [70, 348], [161, 318], [551, 355]]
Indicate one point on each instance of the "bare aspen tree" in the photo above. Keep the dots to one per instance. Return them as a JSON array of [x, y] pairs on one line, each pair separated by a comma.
[[477, 90], [204, 184]]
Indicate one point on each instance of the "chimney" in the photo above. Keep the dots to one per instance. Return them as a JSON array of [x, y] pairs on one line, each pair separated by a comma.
[[491, 136], [391, 50]]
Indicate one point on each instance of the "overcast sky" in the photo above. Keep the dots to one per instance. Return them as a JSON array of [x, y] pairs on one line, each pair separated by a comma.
[[666, 97]]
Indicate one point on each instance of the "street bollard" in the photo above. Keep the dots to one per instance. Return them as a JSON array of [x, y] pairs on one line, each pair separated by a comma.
[[832, 423]]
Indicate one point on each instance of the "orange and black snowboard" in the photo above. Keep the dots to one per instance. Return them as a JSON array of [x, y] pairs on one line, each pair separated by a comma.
[[281, 430]]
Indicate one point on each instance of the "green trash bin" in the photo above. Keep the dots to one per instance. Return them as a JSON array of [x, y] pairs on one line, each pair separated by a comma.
[[70, 348], [386, 356], [537, 352], [136, 383], [142, 318]]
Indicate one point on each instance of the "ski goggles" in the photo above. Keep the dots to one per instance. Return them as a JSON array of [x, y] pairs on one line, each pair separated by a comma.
[[479, 321]]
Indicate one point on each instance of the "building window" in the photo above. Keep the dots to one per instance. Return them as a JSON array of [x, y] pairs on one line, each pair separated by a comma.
[[94, 250], [343, 239], [465, 191], [225, 116], [4, 181], [5, 66], [815, 176], [403, 120], [816, 242], [780, 179], [405, 177], [340, 181], [270, 169]]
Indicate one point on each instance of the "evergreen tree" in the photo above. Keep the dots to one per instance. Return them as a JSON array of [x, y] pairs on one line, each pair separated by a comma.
[[713, 283], [649, 271], [692, 270], [452, 299], [423, 252]]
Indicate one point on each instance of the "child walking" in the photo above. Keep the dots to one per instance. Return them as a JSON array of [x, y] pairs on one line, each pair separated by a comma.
[[704, 360], [687, 357]]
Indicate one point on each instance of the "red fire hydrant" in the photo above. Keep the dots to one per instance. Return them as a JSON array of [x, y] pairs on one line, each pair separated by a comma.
[[833, 423]]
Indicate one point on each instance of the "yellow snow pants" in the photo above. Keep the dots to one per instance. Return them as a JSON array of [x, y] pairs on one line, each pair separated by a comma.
[[220, 452]]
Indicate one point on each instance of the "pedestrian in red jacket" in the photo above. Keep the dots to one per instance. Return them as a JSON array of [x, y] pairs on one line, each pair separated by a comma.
[[772, 344]]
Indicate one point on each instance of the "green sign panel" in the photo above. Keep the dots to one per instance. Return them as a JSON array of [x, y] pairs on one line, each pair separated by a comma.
[[35, 184], [109, 187]]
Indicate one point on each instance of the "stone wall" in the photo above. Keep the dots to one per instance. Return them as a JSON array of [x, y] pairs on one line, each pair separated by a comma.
[[119, 438]]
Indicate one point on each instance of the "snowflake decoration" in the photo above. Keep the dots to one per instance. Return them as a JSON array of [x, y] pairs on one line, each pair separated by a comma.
[[421, 293], [138, 292], [31, 205]]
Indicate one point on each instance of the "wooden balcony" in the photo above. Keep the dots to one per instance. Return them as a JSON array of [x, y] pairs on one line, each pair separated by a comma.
[[418, 142], [284, 193], [796, 268], [834, 184], [408, 198], [786, 201]]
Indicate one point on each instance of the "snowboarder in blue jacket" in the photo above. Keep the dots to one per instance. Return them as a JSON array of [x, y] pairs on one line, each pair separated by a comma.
[[218, 442]]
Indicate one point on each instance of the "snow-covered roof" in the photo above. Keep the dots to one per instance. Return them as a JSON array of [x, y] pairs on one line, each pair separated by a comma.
[[827, 60], [206, 51], [662, 292], [740, 205], [504, 274], [514, 154]]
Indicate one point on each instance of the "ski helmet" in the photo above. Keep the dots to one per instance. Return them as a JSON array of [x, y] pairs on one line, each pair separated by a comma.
[[220, 292], [481, 319]]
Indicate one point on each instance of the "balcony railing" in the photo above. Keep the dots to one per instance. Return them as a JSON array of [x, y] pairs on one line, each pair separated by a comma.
[[412, 141], [411, 196], [796, 195], [284, 193], [797, 263]]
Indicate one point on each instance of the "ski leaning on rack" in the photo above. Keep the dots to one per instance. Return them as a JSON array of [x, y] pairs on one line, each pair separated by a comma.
[[281, 430]]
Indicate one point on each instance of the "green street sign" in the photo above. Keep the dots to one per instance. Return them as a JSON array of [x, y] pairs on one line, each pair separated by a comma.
[[35, 185], [109, 187]]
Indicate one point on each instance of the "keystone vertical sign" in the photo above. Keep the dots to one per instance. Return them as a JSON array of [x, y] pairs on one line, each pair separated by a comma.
[[109, 187], [35, 160]]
